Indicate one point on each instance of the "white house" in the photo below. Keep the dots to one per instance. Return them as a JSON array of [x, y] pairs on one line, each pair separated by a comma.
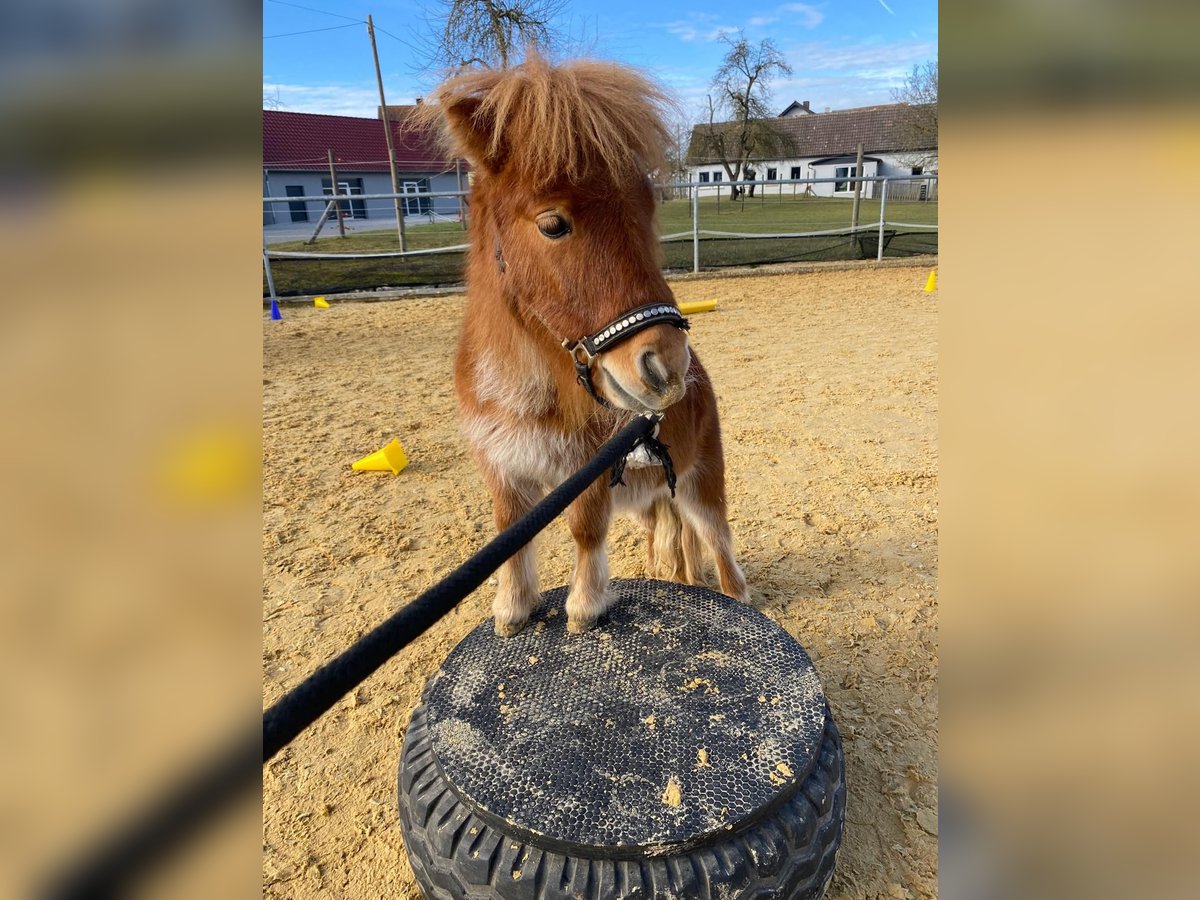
[[296, 149], [824, 145]]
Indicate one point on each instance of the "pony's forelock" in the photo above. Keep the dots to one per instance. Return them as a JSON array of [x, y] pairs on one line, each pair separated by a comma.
[[579, 121]]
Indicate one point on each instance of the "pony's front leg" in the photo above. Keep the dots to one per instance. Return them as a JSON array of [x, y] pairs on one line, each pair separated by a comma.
[[517, 595], [588, 519]]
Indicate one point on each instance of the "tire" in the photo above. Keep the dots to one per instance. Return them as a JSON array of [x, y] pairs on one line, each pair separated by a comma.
[[786, 853]]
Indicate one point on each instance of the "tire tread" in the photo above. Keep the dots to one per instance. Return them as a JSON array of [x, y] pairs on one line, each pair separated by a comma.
[[788, 855]]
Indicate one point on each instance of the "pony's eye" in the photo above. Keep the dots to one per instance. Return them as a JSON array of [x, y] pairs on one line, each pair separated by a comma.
[[553, 226]]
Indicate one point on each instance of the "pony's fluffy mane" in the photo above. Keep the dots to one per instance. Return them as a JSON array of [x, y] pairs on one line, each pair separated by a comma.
[[580, 120]]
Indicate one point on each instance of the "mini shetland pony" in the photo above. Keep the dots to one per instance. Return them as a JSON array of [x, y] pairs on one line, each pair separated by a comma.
[[562, 242]]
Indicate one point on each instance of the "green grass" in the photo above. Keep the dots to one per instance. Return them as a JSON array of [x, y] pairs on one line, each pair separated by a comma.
[[762, 214]]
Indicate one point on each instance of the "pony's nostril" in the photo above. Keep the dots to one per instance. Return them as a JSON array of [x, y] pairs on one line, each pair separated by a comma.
[[654, 373]]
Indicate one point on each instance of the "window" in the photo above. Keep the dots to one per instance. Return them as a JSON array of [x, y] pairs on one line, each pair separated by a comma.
[[716, 176], [917, 170], [704, 177], [841, 187], [796, 172], [772, 174]]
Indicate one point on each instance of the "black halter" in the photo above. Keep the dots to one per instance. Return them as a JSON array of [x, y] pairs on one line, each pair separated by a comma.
[[584, 351]]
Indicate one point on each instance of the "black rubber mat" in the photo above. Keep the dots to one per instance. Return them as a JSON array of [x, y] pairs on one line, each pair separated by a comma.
[[683, 715]]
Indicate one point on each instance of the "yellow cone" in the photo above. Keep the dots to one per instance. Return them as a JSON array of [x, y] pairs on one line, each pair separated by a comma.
[[931, 283], [390, 459], [321, 303], [697, 306]]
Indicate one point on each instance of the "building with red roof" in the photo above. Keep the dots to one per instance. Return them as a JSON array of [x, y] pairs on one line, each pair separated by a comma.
[[296, 149]]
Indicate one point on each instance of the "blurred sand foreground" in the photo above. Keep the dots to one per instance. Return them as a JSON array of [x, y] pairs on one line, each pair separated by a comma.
[[827, 385]]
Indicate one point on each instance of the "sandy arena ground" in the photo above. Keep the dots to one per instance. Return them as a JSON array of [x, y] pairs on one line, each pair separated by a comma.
[[827, 385]]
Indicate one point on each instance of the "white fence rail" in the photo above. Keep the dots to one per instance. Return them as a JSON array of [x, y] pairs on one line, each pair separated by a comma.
[[915, 194]]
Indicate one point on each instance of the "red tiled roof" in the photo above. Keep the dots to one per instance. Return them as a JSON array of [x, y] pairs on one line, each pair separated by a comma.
[[879, 128], [300, 141]]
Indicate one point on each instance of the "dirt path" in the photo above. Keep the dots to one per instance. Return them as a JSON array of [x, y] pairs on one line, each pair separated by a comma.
[[828, 392]]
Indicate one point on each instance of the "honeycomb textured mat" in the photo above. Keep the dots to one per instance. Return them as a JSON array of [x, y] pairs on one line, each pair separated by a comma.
[[682, 749], [789, 854], [681, 715]]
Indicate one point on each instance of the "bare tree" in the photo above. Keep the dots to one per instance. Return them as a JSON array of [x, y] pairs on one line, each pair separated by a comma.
[[680, 129], [490, 33], [740, 126], [919, 126]]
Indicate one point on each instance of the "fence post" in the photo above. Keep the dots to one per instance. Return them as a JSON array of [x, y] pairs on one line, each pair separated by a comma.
[[695, 227], [267, 268], [321, 221], [882, 219]]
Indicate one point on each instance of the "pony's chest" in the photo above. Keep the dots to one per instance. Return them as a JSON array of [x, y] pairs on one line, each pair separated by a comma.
[[518, 383], [523, 450]]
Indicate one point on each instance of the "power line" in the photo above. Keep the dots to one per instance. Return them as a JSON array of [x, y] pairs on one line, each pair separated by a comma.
[[314, 9], [393, 37], [267, 37]]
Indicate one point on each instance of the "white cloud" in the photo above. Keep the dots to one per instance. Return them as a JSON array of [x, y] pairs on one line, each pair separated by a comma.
[[688, 31], [810, 16], [861, 58], [685, 31], [835, 76], [885, 6], [333, 99], [759, 21]]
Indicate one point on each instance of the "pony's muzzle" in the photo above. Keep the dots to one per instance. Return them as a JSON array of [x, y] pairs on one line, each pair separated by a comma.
[[649, 376]]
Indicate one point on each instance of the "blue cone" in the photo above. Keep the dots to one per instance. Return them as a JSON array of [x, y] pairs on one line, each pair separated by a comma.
[[275, 314]]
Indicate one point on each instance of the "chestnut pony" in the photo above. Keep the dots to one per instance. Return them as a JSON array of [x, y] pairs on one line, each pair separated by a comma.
[[562, 243]]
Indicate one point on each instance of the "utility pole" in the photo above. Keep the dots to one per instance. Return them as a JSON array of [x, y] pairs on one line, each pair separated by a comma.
[[387, 133], [336, 204], [462, 214]]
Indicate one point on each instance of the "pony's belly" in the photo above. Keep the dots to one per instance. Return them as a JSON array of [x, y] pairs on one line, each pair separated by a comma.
[[641, 488]]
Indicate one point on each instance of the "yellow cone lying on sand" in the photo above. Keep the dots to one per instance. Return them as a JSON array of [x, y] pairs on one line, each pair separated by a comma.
[[321, 303], [697, 306], [931, 282], [390, 459]]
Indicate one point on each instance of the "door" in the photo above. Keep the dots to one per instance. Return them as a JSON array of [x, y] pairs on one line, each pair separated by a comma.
[[352, 209], [412, 206], [298, 208]]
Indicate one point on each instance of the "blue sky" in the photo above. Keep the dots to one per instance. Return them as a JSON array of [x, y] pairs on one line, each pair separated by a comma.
[[844, 53]]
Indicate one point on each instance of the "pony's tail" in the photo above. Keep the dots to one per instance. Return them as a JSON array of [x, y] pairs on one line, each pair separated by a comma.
[[666, 542]]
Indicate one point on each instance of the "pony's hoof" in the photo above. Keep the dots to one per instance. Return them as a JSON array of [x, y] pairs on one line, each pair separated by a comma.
[[580, 626], [509, 629]]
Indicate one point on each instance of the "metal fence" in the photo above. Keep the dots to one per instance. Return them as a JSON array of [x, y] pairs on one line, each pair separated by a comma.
[[703, 226]]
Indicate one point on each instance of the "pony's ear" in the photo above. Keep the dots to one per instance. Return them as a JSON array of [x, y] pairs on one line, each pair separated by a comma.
[[473, 127]]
